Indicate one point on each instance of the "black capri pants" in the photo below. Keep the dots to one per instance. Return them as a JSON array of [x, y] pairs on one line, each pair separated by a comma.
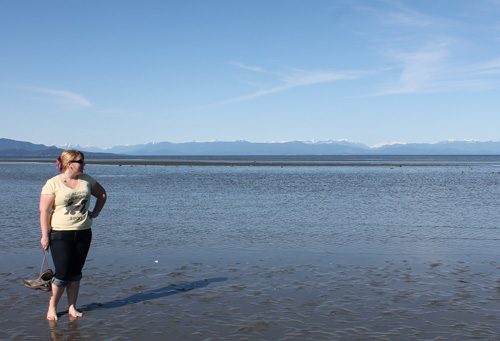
[[69, 251]]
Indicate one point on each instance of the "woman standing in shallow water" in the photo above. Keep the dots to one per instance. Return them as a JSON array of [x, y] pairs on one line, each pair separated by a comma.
[[65, 221]]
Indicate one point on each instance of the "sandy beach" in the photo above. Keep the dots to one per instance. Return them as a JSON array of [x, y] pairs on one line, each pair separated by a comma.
[[253, 295]]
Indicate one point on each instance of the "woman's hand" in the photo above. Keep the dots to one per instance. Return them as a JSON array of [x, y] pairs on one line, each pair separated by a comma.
[[45, 242]]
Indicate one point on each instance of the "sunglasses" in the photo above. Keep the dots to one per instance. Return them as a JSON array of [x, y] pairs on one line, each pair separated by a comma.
[[78, 161]]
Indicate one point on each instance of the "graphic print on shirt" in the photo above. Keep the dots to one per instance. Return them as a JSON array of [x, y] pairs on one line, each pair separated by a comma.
[[76, 204], [73, 209]]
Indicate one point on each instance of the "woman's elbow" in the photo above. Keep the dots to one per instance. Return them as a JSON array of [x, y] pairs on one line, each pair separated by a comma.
[[44, 210]]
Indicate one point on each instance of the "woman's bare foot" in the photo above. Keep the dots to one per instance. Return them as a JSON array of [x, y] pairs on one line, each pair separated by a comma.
[[73, 312], [52, 314], [55, 295]]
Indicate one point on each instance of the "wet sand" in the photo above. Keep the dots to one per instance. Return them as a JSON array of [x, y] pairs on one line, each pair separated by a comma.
[[251, 295]]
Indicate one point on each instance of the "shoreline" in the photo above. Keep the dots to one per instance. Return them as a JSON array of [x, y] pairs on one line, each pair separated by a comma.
[[277, 161]]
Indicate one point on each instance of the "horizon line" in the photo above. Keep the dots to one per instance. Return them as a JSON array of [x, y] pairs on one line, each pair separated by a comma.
[[373, 146]]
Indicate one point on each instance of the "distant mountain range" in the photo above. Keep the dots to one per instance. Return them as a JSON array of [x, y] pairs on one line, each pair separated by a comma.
[[12, 148]]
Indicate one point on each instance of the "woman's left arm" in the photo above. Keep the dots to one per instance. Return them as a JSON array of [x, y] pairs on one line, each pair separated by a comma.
[[100, 193]]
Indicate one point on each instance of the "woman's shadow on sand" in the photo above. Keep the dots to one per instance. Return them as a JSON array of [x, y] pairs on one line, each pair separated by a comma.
[[152, 294]]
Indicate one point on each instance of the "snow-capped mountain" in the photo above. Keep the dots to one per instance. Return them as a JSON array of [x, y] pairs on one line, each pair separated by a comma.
[[86, 148], [241, 147]]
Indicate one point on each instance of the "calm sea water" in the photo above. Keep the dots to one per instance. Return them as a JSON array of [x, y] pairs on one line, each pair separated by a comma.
[[293, 252], [344, 209]]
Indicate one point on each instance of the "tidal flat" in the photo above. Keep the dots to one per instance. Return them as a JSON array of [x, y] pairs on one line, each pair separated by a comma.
[[253, 253]]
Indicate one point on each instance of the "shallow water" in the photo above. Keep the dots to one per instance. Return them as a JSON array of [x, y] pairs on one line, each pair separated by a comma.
[[268, 253]]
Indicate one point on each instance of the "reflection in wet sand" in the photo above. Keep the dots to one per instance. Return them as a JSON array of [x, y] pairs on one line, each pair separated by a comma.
[[65, 331], [256, 296]]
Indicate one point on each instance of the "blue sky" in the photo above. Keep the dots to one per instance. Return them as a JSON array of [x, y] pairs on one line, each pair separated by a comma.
[[127, 72]]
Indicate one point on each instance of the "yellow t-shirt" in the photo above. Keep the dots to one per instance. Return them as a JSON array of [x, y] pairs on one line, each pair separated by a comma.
[[71, 206]]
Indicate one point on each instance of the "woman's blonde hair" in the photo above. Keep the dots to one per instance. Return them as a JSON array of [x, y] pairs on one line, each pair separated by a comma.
[[67, 156]]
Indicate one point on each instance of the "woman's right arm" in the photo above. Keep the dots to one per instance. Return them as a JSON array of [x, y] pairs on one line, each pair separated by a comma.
[[46, 203]]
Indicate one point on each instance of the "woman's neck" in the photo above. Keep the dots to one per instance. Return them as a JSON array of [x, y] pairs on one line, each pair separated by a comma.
[[68, 175]]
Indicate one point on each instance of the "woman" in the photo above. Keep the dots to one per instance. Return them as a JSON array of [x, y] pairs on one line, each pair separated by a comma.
[[65, 221]]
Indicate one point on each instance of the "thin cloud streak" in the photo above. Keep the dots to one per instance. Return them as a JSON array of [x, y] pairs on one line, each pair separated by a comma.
[[397, 14], [252, 68], [408, 19], [296, 78], [64, 97], [491, 67]]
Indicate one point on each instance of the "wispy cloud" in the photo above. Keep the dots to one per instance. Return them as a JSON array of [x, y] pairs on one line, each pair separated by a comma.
[[420, 69], [402, 15], [432, 69], [422, 54], [396, 13], [418, 48], [293, 78], [491, 67], [251, 68], [427, 54], [408, 19], [63, 97]]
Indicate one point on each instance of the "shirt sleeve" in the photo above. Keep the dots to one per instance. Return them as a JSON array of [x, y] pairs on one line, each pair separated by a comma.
[[49, 187], [89, 179]]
